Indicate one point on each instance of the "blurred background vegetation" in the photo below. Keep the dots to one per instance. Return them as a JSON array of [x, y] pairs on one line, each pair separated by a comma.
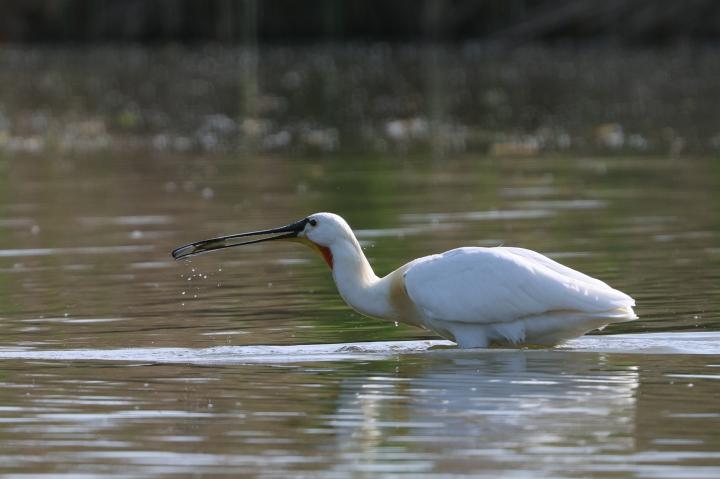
[[505, 78], [641, 22]]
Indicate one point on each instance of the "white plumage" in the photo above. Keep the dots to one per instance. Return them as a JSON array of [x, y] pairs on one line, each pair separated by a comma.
[[510, 295], [474, 296]]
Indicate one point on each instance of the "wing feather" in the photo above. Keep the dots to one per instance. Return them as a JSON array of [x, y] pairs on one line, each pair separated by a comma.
[[493, 285]]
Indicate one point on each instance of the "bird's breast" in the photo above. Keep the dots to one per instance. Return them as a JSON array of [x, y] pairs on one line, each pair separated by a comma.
[[404, 308]]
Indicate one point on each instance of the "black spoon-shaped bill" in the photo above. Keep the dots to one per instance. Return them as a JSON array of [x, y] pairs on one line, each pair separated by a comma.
[[222, 242]]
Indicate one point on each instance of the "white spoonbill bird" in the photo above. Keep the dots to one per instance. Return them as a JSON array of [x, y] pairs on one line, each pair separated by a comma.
[[476, 297]]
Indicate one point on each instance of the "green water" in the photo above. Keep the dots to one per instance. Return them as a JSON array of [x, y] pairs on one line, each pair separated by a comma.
[[84, 258], [86, 279]]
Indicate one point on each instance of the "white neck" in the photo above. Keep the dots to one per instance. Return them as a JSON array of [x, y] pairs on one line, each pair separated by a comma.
[[356, 281]]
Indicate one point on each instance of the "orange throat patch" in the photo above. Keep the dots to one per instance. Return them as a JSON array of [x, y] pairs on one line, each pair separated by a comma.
[[326, 254], [323, 250]]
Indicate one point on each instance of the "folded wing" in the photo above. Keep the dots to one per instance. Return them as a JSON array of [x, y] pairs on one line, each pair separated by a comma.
[[495, 285]]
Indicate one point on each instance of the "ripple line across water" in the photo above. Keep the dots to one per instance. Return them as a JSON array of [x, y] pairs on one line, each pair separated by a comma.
[[12, 253], [651, 343]]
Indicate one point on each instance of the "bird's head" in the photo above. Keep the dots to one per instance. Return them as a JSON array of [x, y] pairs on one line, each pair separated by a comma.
[[320, 231], [325, 229]]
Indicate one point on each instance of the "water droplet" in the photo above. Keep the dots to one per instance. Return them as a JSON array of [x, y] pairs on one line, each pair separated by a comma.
[[183, 293], [396, 324]]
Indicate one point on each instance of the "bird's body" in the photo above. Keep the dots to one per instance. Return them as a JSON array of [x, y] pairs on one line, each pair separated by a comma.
[[474, 296]]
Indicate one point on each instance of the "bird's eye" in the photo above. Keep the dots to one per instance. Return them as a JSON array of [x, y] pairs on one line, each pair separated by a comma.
[[313, 222]]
